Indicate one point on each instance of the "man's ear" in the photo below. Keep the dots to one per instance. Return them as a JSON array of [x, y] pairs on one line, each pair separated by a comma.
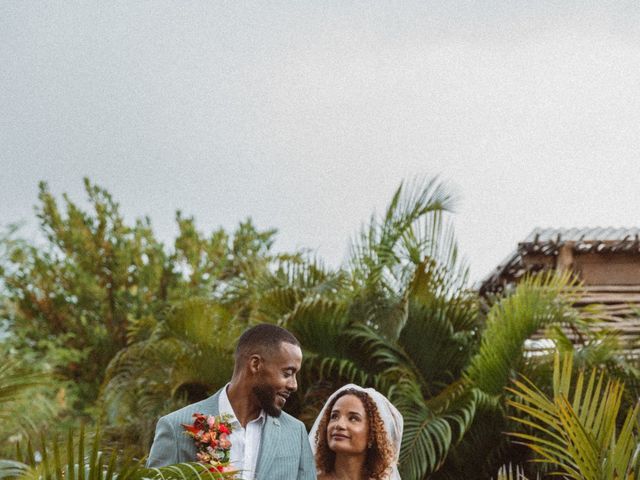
[[255, 363]]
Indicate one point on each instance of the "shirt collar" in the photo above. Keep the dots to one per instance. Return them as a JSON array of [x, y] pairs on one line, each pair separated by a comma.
[[224, 406]]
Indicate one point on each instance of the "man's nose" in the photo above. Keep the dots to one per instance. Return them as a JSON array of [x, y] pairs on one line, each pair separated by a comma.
[[292, 384]]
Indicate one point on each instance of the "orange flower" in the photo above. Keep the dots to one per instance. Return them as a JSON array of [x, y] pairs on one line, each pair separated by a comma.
[[224, 441]]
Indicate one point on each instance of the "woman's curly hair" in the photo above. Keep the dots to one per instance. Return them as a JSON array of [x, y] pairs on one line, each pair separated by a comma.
[[379, 456]]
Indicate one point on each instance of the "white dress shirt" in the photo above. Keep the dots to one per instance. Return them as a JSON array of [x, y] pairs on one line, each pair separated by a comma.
[[245, 442]]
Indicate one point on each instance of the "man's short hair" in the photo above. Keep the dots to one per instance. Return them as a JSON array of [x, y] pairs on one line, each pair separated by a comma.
[[263, 339]]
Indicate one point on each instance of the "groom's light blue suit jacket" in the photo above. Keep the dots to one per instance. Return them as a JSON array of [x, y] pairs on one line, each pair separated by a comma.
[[285, 453]]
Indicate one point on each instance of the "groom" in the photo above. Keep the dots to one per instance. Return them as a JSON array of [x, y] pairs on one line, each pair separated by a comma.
[[266, 443]]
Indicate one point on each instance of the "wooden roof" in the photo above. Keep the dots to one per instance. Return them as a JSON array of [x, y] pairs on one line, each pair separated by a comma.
[[549, 241], [609, 259]]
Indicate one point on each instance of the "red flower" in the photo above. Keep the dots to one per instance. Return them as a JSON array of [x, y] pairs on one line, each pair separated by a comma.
[[191, 428], [223, 429], [200, 421]]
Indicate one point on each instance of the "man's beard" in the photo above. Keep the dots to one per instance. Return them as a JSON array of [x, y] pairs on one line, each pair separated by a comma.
[[266, 396]]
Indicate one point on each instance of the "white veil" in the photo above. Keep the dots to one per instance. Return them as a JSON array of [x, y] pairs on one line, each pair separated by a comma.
[[392, 418]]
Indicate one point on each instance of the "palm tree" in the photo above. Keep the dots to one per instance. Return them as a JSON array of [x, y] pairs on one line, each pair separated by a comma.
[[404, 324], [408, 326]]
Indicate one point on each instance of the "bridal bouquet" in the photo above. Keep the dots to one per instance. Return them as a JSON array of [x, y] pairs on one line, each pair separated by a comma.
[[211, 436]]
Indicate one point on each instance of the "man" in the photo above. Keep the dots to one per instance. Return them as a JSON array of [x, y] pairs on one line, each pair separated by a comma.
[[266, 443]]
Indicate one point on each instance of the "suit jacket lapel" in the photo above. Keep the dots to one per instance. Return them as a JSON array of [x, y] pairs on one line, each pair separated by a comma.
[[269, 440]]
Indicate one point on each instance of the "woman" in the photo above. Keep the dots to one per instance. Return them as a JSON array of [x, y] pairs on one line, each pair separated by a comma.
[[357, 436]]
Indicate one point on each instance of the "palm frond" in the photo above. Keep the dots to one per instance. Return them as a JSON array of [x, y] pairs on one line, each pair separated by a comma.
[[537, 302], [25, 400], [438, 353], [483, 447], [335, 351], [78, 457], [429, 432], [433, 238], [377, 252], [432, 286], [183, 471], [576, 430], [320, 325], [81, 457], [16, 381], [509, 473], [269, 293]]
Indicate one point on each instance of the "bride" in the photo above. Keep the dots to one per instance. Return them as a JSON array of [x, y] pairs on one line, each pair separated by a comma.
[[357, 436]]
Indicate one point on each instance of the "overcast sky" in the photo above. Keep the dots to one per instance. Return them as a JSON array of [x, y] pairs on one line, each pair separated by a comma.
[[306, 115]]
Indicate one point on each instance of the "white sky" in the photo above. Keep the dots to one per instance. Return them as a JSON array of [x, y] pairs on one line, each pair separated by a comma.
[[306, 115]]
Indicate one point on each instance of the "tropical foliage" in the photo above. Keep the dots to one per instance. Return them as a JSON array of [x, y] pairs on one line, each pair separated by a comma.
[[580, 429], [132, 329], [80, 457], [76, 301], [20, 385]]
